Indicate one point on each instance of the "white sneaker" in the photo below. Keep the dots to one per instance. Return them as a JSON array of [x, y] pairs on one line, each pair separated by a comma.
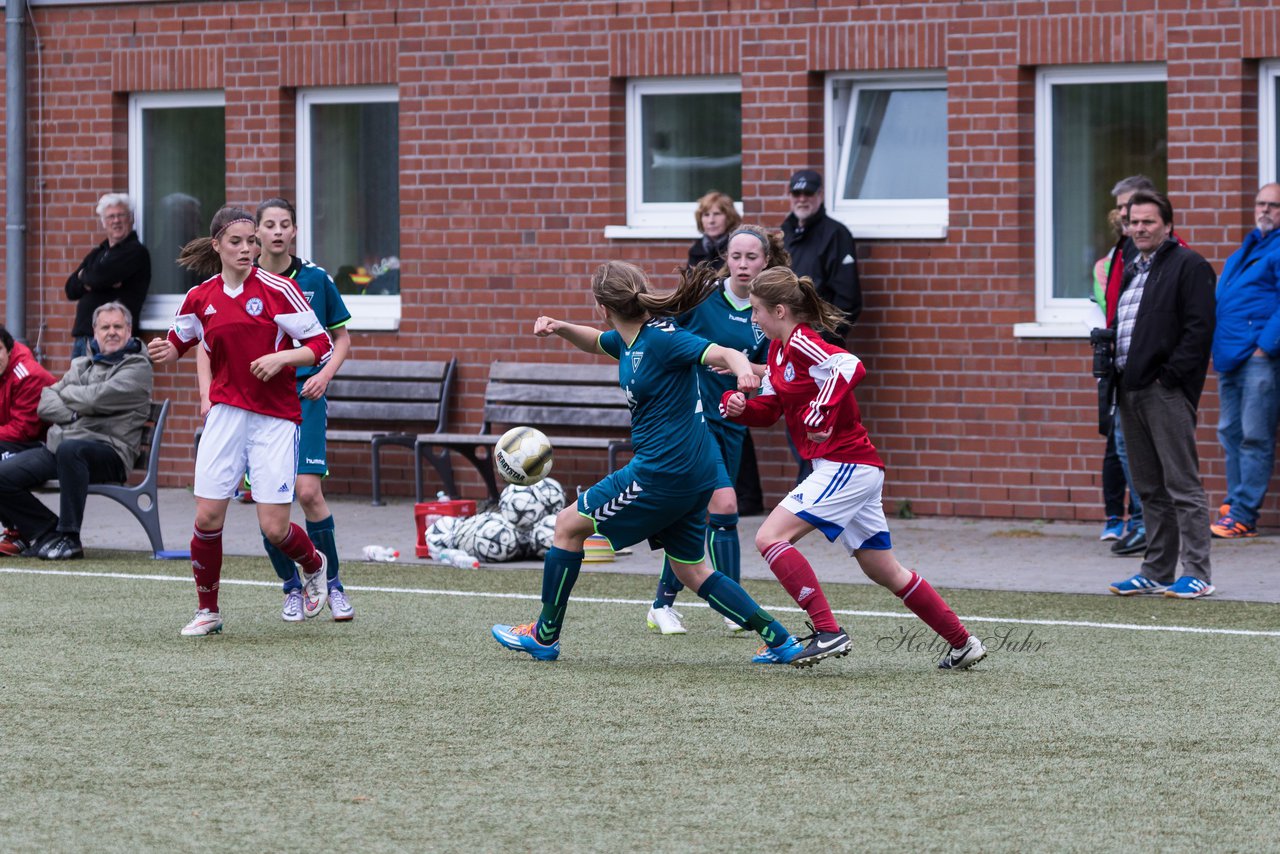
[[206, 622], [964, 657], [292, 610], [315, 588], [666, 620], [340, 606], [733, 627]]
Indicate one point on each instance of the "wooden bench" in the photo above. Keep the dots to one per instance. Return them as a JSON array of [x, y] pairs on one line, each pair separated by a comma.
[[558, 399], [410, 398]]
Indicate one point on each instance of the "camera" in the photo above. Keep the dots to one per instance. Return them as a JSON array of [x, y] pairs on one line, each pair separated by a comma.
[[1103, 342]]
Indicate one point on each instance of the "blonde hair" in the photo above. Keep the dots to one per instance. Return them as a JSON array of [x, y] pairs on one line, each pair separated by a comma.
[[717, 199], [780, 286], [199, 256]]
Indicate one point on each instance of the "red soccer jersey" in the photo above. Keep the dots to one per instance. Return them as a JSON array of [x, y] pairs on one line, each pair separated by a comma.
[[810, 383], [264, 316]]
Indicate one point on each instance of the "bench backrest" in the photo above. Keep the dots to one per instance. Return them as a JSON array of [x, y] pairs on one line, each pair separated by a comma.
[[148, 458], [371, 390], [555, 395]]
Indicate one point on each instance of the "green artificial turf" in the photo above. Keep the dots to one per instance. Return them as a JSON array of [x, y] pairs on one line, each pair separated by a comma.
[[410, 729]]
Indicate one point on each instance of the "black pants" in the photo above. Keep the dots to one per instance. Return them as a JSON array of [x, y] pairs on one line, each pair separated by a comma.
[[78, 463], [8, 449]]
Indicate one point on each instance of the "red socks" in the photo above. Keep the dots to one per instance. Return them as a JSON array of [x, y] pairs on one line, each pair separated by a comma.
[[206, 566], [797, 577], [925, 602], [297, 546]]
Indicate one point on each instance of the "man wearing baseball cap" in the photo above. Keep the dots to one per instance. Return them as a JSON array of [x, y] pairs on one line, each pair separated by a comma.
[[821, 247]]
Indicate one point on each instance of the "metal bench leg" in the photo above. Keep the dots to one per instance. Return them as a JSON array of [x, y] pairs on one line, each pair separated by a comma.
[[375, 451], [131, 499], [442, 464]]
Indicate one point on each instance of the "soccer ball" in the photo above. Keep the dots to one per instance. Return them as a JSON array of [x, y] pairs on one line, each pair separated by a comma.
[[551, 493], [521, 506], [439, 534], [495, 538], [542, 535], [523, 456], [464, 533]]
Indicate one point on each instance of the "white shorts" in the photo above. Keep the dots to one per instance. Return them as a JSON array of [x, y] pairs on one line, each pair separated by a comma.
[[842, 500], [235, 441]]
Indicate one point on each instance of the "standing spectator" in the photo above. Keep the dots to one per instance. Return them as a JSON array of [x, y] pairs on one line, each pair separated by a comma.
[[1246, 355], [822, 248], [98, 411], [21, 381], [1164, 319], [117, 270], [717, 218]]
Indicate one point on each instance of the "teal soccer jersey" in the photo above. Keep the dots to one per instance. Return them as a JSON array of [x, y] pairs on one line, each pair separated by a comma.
[[719, 320], [672, 446], [318, 287]]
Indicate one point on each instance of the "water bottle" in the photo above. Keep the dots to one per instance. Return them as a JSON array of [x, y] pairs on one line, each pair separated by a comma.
[[385, 554], [455, 557]]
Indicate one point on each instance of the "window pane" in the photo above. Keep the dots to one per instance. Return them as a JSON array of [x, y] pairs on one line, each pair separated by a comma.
[[183, 184], [355, 193], [899, 146], [1102, 132], [691, 144]]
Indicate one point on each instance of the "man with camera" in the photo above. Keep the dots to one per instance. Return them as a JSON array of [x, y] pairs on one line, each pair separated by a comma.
[[1163, 318]]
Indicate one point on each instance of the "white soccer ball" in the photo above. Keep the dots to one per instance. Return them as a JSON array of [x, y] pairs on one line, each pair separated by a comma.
[[439, 534], [524, 543], [543, 535], [495, 538], [464, 534], [522, 456], [551, 493], [522, 505]]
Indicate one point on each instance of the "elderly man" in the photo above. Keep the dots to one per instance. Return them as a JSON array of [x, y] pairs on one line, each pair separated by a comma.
[[821, 247], [117, 270], [1246, 355], [98, 411], [1164, 317]]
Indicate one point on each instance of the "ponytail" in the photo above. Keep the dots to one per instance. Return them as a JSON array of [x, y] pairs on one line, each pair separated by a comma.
[[199, 256], [780, 286]]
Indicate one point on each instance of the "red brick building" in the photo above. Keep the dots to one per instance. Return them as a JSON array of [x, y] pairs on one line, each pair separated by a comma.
[[465, 164]]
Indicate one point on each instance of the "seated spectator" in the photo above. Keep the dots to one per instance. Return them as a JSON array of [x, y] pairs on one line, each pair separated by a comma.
[[97, 412]]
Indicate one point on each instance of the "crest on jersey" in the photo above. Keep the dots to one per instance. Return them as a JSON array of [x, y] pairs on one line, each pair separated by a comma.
[[757, 331], [789, 373], [254, 306], [635, 360]]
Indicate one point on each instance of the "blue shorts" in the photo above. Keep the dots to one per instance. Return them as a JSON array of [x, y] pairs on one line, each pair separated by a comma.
[[311, 445], [730, 444], [625, 513]]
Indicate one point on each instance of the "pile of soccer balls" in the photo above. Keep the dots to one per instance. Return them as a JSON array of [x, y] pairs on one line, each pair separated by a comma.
[[521, 527]]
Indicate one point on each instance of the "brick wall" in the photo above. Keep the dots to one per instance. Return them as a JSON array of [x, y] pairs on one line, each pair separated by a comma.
[[512, 164]]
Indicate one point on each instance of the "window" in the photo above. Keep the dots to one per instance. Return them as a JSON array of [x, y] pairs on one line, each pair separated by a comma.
[[886, 154], [1094, 126], [349, 196], [177, 177], [684, 139], [1269, 123]]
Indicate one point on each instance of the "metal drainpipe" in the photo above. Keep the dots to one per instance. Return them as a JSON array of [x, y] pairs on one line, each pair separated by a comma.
[[15, 226]]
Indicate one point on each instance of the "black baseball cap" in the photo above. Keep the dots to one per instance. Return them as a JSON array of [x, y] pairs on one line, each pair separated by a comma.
[[805, 181]]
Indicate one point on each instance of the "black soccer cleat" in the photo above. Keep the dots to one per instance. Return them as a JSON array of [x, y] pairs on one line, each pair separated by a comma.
[[823, 645]]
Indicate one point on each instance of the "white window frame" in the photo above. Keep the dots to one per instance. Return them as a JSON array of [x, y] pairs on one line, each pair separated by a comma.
[[1268, 144], [375, 312], [671, 220], [1058, 317], [159, 309], [878, 218]]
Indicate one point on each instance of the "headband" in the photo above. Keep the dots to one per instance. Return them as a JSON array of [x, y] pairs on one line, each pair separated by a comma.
[[233, 222], [763, 242]]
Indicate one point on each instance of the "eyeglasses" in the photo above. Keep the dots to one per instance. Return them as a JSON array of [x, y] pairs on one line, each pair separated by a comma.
[[1271, 206], [802, 193]]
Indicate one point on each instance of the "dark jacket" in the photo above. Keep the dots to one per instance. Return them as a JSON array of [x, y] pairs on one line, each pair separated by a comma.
[[1249, 302], [121, 272], [706, 250], [1173, 333], [823, 249]]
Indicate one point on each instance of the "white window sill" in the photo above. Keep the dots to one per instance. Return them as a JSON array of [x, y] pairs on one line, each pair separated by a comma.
[[379, 313], [649, 232], [924, 231], [1077, 329]]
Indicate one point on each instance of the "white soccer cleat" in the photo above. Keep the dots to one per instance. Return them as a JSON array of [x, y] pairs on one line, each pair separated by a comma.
[[206, 622], [733, 627], [666, 621], [340, 606], [292, 610], [964, 657], [315, 588]]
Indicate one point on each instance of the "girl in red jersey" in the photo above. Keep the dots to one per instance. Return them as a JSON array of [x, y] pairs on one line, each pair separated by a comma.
[[246, 319], [810, 383]]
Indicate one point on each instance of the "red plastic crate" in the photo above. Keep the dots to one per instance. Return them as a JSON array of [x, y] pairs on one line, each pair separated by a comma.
[[429, 511]]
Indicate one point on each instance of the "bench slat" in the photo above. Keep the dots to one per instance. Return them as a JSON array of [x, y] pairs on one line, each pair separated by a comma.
[[355, 369], [345, 388], [472, 440], [536, 416], [535, 373], [340, 410], [556, 395]]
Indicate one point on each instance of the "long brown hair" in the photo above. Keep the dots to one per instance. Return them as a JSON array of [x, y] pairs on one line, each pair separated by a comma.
[[780, 286], [199, 255], [619, 286], [697, 284], [775, 251]]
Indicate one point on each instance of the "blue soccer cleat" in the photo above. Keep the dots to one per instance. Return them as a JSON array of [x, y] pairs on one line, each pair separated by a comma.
[[1137, 585], [1189, 587], [784, 653], [521, 639]]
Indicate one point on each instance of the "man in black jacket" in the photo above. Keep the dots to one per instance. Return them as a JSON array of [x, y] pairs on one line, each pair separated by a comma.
[[117, 270], [821, 247], [1164, 320]]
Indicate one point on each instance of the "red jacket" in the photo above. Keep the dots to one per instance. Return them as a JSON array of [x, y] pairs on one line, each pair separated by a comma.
[[20, 387]]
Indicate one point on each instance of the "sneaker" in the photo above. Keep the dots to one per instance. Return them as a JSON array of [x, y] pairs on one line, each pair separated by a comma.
[[12, 544], [292, 610], [964, 657], [1136, 585], [1230, 528], [666, 621], [823, 645], [39, 544], [1114, 529], [1189, 587], [340, 606], [315, 588], [206, 622], [65, 547], [784, 653], [733, 627], [521, 639], [1133, 543], [1224, 509]]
